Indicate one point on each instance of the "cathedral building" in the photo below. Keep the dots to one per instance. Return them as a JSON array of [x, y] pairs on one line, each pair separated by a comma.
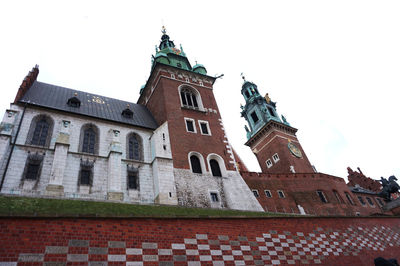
[[168, 148]]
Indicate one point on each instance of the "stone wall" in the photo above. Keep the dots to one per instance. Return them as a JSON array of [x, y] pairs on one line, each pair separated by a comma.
[[235, 241]]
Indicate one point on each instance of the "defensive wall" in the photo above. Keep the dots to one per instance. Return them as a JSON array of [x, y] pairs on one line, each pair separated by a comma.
[[198, 241]]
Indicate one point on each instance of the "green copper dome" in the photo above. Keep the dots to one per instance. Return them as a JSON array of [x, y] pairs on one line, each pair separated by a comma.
[[199, 68]]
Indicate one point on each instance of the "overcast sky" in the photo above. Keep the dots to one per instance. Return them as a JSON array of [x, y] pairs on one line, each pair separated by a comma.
[[332, 66]]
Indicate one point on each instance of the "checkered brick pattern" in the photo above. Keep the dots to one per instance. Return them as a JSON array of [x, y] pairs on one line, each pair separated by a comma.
[[270, 248]]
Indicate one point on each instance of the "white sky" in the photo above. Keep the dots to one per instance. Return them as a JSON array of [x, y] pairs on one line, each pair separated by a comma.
[[332, 66]]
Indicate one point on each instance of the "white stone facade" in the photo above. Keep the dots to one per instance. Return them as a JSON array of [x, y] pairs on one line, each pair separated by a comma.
[[62, 162]]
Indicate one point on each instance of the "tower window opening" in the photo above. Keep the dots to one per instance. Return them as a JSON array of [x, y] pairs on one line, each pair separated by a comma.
[[322, 196], [204, 128], [190, 127], [189, 99], [215, 169], [247, 94], [271, 111], [268, 193], [281, 194], [269, 163], [379, 202], [254, 116], [195, 163], [275, 157]]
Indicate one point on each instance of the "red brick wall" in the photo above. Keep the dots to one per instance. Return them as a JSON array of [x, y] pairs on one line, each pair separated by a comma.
[[325, 241], [301, 189]]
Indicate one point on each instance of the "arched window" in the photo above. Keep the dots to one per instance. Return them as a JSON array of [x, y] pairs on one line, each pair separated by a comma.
[[134, 147], [195, 163], [189, 99], [89, 140], [216, 171], [40, 131]]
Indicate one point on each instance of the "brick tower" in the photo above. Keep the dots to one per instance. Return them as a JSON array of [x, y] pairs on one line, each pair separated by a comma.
[[181, 98], [270, 137]]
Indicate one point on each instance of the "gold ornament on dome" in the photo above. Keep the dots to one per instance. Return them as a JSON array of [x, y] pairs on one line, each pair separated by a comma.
[[267, 98]]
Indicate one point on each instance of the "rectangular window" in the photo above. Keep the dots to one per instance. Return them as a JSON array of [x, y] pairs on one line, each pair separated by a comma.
[[322, 196], [275, 157], [269, 163], [204, 127], [214, 197], [254, 117], [349, 198], [370, 201], [268, 193], [281, 194], [361, 200], [190, 126], [33, 171], [85, 177], [133, 181], [255, 192]]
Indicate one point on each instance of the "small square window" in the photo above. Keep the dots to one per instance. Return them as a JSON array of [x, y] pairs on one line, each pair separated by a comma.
[[204, 127], [214, 197], [281, 194], [255, 192], [269, 163], [268, 193], [275, 157], [322, 196], [361, 200], [190, 126]]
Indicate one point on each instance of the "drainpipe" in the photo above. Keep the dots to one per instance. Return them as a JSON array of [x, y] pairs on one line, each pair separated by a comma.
[[12, 149]]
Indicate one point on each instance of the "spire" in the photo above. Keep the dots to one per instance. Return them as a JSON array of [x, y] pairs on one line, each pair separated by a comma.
[[165, 42]]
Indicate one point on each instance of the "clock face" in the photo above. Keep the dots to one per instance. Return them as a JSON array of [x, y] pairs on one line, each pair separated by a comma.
[[294, 150]]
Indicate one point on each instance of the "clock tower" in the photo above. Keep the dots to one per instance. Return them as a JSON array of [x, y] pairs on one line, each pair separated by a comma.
[[271, 138]]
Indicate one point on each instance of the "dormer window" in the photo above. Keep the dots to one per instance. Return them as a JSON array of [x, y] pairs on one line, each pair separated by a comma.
[[74, 101], [127, 113]]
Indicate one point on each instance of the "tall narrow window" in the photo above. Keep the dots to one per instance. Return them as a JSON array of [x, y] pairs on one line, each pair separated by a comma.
[[281, 194], [216, 171], [338, 197], [195, 163], [204, 127], [134, 148], [322, 196], [268, 193], [41, 131], [255, 192], [271, 111], [370, 201], [86, 173], [349, 198], [190, 126], [89, 140], [361, 200]]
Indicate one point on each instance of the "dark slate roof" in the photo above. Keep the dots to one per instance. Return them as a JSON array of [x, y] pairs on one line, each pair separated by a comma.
[[358, 189], [56, 97]]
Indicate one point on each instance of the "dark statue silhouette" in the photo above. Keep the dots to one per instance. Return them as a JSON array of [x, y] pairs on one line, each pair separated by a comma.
[[388, 187]]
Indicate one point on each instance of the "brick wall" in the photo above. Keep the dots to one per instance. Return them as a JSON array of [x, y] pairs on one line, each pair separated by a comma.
[[325, 241]]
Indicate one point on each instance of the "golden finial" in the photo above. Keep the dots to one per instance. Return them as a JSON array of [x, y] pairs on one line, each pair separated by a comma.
[[243, 77]]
